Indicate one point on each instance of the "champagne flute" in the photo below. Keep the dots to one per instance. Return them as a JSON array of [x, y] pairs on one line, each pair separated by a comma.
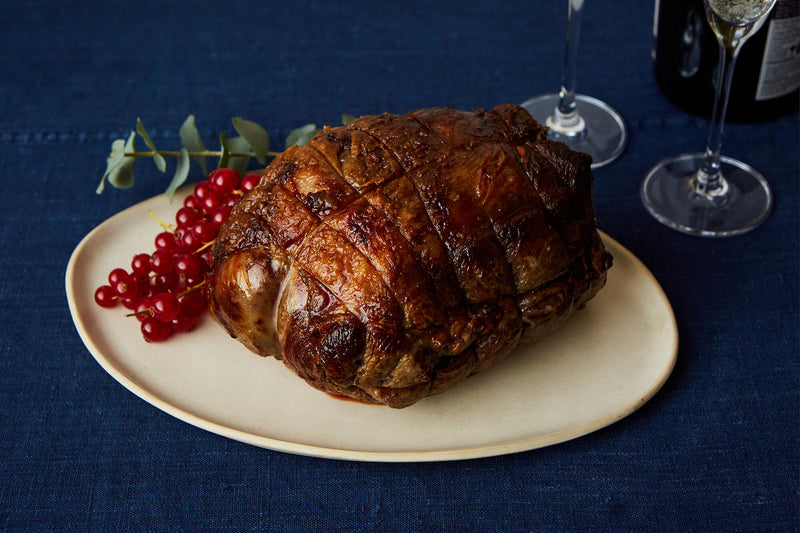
[[584, 123], [708, 194]]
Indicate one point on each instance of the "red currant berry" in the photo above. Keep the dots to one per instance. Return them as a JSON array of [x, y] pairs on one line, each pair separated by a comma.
[[184, 322], [229, 200], [154, 330], [187, 216], [164, 282], [126, 289], [249, 182], [205, 230], [165, 306], [211, 202], [194, 302], [205, 257], [143, 310], [105, 296], [132, 301], [140, 265], [117, 275], [190, 242], [161, 261], [179, 233], [166, 241], [191, 281], [220, 215], [188, 265], [203, 189], [224, 179], [192, 202], [146, 288]]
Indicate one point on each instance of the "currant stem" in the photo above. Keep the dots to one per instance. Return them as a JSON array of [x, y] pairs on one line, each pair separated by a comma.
[[149, 310], [192, 288], [206, 245], [163, 224]]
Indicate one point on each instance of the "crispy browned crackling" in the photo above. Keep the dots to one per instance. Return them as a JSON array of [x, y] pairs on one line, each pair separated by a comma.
[[392, 258]]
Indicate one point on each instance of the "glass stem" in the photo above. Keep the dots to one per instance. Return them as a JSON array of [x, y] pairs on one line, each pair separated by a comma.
[[709, 180], [566, 115]]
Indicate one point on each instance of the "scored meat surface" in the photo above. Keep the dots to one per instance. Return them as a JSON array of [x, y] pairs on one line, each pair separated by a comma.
[[390, 259]]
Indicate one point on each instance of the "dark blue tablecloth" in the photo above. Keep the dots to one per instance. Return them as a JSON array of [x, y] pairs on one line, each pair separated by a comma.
[[715, 450]]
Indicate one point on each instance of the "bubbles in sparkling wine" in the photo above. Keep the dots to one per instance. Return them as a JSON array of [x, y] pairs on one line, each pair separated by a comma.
[[735, 21], [740, 12]]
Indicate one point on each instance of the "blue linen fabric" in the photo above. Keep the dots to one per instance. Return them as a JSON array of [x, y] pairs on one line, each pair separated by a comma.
[[715, 450]]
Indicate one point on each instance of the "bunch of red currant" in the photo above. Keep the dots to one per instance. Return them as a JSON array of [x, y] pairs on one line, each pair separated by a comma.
[[166, 289]]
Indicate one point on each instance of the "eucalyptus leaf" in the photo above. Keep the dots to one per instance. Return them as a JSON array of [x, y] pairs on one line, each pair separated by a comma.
[[190, 138], [181, 173], [241, 146], [158, 159], [302, 135], [257, 137], [114, 159], [347, 119], [223, 147], [130, 144], [121, 176]]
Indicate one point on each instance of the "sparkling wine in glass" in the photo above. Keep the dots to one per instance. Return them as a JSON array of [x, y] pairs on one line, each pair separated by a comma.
[[706, 193], [584, 123]]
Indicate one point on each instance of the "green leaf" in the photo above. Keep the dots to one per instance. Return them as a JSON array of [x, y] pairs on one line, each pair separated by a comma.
[[190, 138], [302, 135], [121, 176], [257, 137], [181, 173], [241, 146], [158, 159], [113, 161], [223, 147], [347, 119]]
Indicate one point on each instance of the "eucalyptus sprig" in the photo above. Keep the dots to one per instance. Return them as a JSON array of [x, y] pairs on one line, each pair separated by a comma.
[[236, 152]]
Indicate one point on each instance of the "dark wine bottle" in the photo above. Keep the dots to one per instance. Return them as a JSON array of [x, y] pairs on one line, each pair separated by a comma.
[[766, 80]]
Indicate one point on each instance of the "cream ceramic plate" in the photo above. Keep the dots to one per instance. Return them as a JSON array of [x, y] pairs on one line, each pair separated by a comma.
[[606, 362]]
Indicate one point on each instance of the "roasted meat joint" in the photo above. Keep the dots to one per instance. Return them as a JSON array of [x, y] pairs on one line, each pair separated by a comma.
[[389, 259]]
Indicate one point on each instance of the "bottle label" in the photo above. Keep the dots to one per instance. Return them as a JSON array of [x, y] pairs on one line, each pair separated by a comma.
[[780, 66]]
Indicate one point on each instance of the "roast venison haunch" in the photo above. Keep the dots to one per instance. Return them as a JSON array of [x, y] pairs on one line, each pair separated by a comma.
[[391, 258]]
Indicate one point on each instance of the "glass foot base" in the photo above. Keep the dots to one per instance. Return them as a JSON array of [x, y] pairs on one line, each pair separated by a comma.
[[603, 136], [668, 196]]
